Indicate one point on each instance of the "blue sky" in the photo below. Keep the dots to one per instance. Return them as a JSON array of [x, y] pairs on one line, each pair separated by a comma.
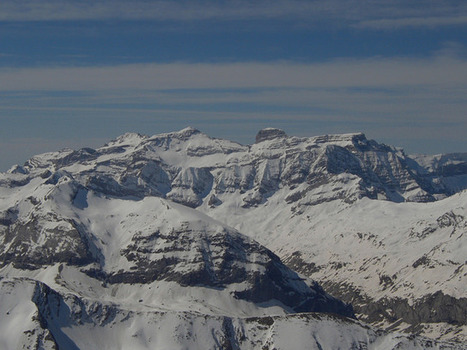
[[78, 73]]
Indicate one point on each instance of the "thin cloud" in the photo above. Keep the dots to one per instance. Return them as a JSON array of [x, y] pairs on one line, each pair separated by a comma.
[[53, 10], [392, 14], [388, 88], [398, 23], [438, 71]]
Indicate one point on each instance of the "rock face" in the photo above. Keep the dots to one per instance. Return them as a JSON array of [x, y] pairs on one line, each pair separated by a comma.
[[30, 245], [380, 229], [269, 134]]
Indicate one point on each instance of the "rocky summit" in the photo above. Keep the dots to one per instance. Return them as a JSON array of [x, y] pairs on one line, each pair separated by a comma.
[[181, 240]]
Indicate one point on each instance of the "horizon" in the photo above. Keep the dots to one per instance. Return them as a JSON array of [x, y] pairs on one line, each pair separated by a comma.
[[77, 74]]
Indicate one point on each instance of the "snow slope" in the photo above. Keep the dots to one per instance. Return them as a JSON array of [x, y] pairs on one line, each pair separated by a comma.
[[395, 262], [35, 316]]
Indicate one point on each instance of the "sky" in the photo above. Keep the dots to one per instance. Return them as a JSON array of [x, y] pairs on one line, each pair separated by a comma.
[[79, 73]]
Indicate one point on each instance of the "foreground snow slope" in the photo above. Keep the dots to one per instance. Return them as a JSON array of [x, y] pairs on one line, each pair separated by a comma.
[[35, 316]]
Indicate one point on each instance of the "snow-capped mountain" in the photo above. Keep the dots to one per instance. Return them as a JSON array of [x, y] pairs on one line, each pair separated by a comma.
[[150, 241], [164, 229]]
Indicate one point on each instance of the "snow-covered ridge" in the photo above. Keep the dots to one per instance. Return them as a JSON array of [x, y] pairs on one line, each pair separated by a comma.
[[65, 321], [190, 167]]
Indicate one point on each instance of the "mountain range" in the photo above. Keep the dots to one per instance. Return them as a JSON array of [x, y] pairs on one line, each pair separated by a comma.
[[181, 240]]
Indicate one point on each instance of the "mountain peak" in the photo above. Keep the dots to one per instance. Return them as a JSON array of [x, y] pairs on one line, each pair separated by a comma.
[[269, 134], [130, 138], [188, 131]]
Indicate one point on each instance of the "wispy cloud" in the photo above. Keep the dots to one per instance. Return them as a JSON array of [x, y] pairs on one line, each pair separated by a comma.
[[182, 10], [363, 90], [380, 14], [376, 72], [397, 23]]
